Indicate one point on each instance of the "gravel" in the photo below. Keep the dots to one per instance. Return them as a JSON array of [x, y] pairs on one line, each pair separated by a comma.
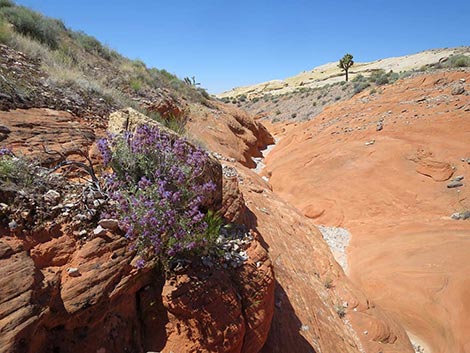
[[338, 240]]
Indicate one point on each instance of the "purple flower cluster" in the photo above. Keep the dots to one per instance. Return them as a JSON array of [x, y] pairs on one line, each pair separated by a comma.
[[157, 191], [5, 151]]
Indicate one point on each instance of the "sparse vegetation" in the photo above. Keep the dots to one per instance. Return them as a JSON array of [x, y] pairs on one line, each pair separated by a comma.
[[328, 283], [75, 59], [458, 61], [33, 24], [340, 310]]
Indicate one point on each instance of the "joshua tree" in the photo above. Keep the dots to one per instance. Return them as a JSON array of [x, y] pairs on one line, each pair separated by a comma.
[[345, 63]]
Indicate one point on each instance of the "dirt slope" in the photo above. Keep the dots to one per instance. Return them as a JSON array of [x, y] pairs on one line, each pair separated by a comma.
[[379, 165]]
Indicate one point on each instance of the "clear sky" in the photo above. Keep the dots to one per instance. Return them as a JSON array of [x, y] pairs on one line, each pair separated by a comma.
[[235, 43]]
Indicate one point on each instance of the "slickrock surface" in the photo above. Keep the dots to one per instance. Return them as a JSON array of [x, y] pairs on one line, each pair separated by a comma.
[[312, 291], [394, 189]]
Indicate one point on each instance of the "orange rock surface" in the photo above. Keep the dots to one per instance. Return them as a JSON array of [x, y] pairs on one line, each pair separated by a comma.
[[61, 292], [388, 187]]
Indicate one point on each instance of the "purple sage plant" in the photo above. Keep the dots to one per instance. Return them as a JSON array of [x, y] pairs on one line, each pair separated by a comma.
[[158, 194]]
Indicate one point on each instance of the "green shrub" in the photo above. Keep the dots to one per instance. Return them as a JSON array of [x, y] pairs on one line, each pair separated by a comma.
[[6, 3], [358, 78], [380, 77], [459, 61], [360, 86], [34, 25], [93, 45], [5, 32], [14, 169], [135, 84]]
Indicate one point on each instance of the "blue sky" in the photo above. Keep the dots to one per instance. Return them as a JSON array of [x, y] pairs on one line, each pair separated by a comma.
[[234, 43]]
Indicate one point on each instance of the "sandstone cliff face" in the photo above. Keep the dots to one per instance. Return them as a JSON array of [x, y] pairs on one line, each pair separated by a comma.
[[229, 131], [383, 165]]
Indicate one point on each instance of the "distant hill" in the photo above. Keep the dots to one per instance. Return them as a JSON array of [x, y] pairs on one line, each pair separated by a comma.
[[329, 73], [306, 95]]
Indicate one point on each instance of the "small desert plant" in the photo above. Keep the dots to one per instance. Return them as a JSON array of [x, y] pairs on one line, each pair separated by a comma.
[[360, 86], [135, 84], [158, 194], [15, 169], [176, 124], [328, 283], [340, 310]]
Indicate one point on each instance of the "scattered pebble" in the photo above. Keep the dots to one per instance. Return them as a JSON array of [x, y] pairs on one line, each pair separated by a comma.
[[109, 223], [99, 231], [52, 197], [461, 215], [454, 184], [73, 272]]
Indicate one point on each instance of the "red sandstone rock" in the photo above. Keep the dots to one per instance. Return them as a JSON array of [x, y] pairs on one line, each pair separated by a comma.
[[439, 171], [229, 131], [32, 130]]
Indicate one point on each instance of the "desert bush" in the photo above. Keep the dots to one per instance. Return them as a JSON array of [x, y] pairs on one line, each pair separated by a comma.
[[340, 310], [360, 86], [358, 78], [380, 77], [203, 93], [93, 45], [135, 84], [15, 169], [158, 196], [6, 3], [174, 123], [459, 61], [34, 25], [5, 32]]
